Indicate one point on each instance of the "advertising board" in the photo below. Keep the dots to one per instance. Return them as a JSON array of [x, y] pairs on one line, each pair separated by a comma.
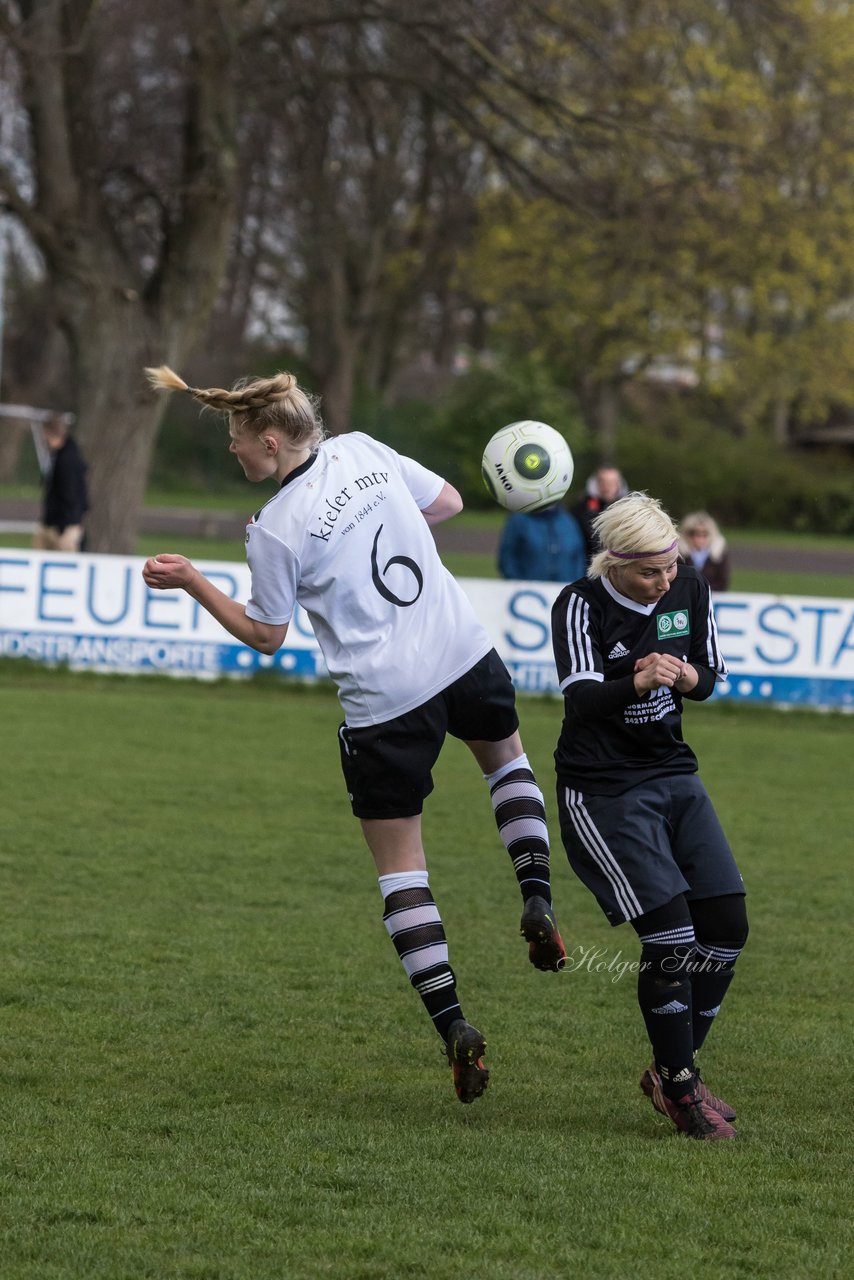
[[94, 612]]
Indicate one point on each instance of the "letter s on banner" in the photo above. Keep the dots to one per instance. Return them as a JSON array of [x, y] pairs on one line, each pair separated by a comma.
[[533, 609]]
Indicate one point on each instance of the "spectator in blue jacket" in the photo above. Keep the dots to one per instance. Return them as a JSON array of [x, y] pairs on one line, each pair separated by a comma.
[[543, 546]]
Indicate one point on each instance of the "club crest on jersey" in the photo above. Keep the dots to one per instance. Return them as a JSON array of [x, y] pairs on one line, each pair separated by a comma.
[[672, 624]]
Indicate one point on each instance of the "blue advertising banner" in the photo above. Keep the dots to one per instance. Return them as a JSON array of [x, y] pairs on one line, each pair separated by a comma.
[[95, 612]]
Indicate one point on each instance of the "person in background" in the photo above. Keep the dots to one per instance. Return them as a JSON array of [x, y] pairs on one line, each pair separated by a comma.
[[605, 486], [633, 640], [702, 544], [543, 546], [346, 534], [65, 495]]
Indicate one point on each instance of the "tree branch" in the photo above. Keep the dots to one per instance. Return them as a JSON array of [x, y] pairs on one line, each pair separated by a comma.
[[195, 250], [29, 217]]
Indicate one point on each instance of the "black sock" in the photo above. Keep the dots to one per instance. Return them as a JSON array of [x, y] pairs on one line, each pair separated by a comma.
[[666, 1007], [721, 929], [664, 991], [712, 973]]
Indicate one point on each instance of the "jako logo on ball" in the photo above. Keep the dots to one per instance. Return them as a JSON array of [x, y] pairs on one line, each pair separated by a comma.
[[527, 465]]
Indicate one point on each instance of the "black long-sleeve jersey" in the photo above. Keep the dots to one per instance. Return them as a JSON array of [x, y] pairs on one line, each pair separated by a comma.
[[611, 739], [66, 498]]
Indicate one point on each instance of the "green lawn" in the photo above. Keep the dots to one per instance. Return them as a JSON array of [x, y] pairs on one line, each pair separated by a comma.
[[213, 1067], [786, 582]]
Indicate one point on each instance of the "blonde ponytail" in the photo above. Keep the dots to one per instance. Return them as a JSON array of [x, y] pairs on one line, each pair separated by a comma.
[[165, 379], [255, 404]]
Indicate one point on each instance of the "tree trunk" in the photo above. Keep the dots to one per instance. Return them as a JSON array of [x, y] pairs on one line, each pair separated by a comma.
[[337, 390], [11, 440], [780, 422], [124, 299], [118, 413], [600, 405], [335, 342], [607, 420], [118, 471]]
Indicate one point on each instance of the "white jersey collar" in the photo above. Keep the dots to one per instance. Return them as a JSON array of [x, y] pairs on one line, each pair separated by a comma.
[[645, 609]]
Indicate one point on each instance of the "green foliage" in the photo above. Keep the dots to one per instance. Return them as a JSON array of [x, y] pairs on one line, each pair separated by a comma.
[[677, 447], [704, 215], [744, 480], [192, 452], [214, 1066], [712, 230], [451, 434]]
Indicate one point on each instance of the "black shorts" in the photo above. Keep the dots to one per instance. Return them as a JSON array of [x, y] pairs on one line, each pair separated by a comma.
[[387, 766], [638, 850]]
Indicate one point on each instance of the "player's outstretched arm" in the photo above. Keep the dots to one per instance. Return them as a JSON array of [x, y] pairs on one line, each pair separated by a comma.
[[169, 572]]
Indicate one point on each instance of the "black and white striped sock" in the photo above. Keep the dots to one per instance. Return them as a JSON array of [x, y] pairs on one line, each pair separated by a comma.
[[520, 813], [415, 927]]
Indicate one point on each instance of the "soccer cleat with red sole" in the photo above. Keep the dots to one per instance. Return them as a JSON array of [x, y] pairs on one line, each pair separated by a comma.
[[692, 1116], [538, 927], [651, 1078], [465, 1047]]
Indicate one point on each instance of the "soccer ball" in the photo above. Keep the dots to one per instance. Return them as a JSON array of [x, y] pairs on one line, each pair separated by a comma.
[[527, 465]]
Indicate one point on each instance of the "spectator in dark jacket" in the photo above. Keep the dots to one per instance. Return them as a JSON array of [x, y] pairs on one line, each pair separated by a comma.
[[605, 486], [702, 544], [542, 546], [65, 497]]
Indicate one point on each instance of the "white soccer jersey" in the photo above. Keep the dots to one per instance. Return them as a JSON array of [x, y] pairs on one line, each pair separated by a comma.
[[344, 537]]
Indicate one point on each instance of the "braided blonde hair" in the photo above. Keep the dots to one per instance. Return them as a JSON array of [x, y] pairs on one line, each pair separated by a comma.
[[256, 404]]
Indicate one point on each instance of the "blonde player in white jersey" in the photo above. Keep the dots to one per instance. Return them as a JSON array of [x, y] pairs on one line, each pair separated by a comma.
[[346, 535]]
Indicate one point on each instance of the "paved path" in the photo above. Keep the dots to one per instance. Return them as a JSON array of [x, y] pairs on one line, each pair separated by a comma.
[[449, 538], [19, 513]]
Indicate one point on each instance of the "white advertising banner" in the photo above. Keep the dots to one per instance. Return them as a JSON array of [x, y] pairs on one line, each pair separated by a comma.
[[791, 650], [95, 612]]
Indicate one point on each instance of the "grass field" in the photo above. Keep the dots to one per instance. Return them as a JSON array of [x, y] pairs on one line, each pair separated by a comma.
[[213, 1067]]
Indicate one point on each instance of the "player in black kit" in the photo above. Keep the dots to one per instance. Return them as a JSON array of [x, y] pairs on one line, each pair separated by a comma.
[[631, 640]]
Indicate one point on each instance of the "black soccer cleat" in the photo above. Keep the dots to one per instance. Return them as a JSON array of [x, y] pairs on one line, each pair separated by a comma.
[[465, 1048], [539, 928]]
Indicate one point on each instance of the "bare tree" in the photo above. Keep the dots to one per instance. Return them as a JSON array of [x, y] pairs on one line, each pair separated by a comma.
[[373, 130], [354, 132], [132, 170]]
